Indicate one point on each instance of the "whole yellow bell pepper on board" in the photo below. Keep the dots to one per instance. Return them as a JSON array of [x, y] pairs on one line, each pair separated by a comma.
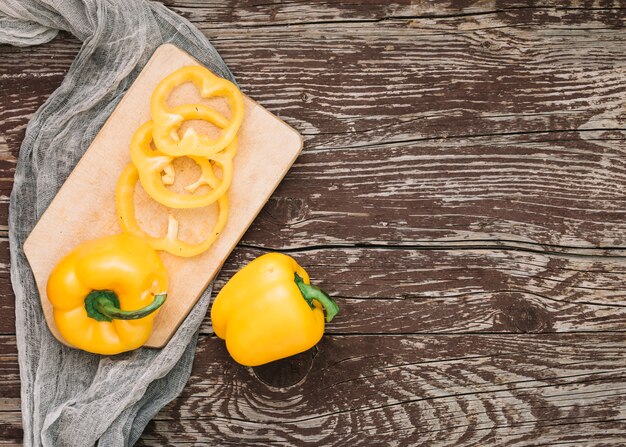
[[106, 292], [269, 310]]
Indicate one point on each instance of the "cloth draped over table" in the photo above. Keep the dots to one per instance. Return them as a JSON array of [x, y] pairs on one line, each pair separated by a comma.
[[70, 397]]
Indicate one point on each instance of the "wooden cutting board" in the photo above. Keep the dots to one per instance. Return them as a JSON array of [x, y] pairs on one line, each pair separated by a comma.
[[84, 208]]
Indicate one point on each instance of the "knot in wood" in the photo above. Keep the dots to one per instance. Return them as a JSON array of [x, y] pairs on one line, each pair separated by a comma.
[[287, 372], [519, 314], [288, 210]]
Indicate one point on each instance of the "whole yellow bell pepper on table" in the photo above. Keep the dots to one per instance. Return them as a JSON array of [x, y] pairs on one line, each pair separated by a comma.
[[269, 310], [106, 292]]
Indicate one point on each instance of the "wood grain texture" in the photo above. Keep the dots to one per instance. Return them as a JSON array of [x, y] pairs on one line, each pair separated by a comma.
[[461, 193], [405, 390]]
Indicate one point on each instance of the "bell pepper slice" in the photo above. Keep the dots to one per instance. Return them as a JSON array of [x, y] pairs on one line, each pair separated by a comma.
[[168, 121], [125, 206], [106, 293], [152, 164]]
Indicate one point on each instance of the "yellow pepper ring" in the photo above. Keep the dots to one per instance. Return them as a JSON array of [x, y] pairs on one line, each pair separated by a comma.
[[125, 204], [206, 113], [193, 112], [167, 122], [151, 164]]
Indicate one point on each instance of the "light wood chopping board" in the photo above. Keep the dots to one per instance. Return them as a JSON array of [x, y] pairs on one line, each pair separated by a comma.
[[84, 208]]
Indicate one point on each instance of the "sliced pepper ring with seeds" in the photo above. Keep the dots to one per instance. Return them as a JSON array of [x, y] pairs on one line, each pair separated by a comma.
[[125, 206], [156, 169], [168, 121]]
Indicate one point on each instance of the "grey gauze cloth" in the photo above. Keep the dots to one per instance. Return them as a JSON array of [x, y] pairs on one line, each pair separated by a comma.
[[69, 397]]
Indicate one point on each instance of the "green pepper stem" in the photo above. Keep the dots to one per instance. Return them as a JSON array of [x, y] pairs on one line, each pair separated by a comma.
[[313, 293], [104, 305]]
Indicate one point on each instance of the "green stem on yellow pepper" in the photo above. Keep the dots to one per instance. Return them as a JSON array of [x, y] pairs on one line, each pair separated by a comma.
[[104, 305], [313, 293]]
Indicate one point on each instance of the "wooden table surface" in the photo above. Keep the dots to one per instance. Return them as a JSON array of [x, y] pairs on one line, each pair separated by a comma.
[[461, 194]]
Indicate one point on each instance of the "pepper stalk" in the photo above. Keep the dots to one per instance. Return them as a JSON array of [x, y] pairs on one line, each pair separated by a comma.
[[104, 305], [313, 293]]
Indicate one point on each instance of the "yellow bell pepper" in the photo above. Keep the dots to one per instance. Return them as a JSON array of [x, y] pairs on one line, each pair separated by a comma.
[[269, 310], [106, 292]]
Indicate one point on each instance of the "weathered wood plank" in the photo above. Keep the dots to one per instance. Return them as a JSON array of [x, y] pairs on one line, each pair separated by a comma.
[[445, 291], [497, 190], [253, 14], [430, 195], [7, 299], [494, 192], [443, 77], [514, 390], [456, 291], [379, 390], [10, 416], [9, 372]]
